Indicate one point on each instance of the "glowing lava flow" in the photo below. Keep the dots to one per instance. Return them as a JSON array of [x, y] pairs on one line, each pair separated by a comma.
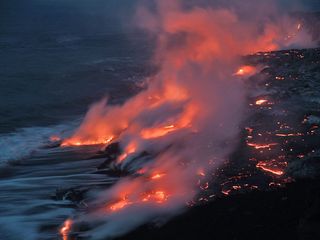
[[65, 229], [75, 142], [262, 146], [157, 196], [289, 134], [157, 132], [183, 122], [152, 196], [189, 104], [245, 71], [130, 149], [120, 204], [201, 172], [261, 102], [299, 26], [157, 176], [264, 166]]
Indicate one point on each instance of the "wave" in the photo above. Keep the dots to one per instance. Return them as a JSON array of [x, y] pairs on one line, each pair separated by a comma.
[[24, 142]]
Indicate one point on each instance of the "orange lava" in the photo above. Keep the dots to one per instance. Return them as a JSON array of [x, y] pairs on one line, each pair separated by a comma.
[[157, 176], [157, 196], [65, 229], [299, 26], [264, 166], [289, 134], [245, 71], [183, 121], [119, 205], [201, 172], [157, 132], [76, 142], [226, 192], [130, 149], [189, 102], [262, 146], [261, 102]]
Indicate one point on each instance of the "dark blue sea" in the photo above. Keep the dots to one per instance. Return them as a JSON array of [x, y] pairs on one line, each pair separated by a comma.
[[56, 59]]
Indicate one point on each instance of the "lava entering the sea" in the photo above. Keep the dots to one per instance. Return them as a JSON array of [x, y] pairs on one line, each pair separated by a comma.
[[187, 119]]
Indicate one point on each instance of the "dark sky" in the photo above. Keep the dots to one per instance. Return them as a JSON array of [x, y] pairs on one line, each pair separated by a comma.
[[311, 5], [90, 16]]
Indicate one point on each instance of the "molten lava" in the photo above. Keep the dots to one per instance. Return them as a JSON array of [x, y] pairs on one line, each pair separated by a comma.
[[246, 71], [188, 115], [65, 229], [120, 204], [261, 102], [157, 132], [262, 146], [270, 169], [157, 196], [157, 176], [77, 142], [201, 172], [130, 149], [289, 134], [299, 26]]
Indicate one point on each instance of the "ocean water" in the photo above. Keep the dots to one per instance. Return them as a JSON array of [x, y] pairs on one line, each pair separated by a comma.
[[57, 58]]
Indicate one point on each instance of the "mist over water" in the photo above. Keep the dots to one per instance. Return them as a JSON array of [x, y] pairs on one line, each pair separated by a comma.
[[57, 57]]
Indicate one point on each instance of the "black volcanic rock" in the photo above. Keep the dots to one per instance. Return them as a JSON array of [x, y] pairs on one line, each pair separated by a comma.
[[286, 213], [263, 205], [292, 83], [111, 153]]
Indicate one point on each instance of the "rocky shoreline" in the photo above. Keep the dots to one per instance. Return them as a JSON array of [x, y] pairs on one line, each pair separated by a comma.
[[268, 193]]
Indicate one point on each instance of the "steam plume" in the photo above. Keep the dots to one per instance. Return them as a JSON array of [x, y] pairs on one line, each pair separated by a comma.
[[187, 119]]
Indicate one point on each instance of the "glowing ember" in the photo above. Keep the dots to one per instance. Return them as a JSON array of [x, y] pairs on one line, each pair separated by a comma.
[[299, 26], [120, 204], [265, 167], [65, 229], [204, 186], [152, 196], [157, 132], [130, 149], [261, 102], [157, 176], [226, 192], [261, 146], [75, 142], [201, 172], [158, 197], [245, 71], [289, 134]]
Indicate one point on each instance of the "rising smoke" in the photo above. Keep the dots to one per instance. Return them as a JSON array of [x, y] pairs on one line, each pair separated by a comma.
[[187, 120]]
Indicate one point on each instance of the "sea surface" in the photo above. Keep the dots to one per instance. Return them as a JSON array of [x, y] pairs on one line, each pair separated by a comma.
[[57, 58]]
